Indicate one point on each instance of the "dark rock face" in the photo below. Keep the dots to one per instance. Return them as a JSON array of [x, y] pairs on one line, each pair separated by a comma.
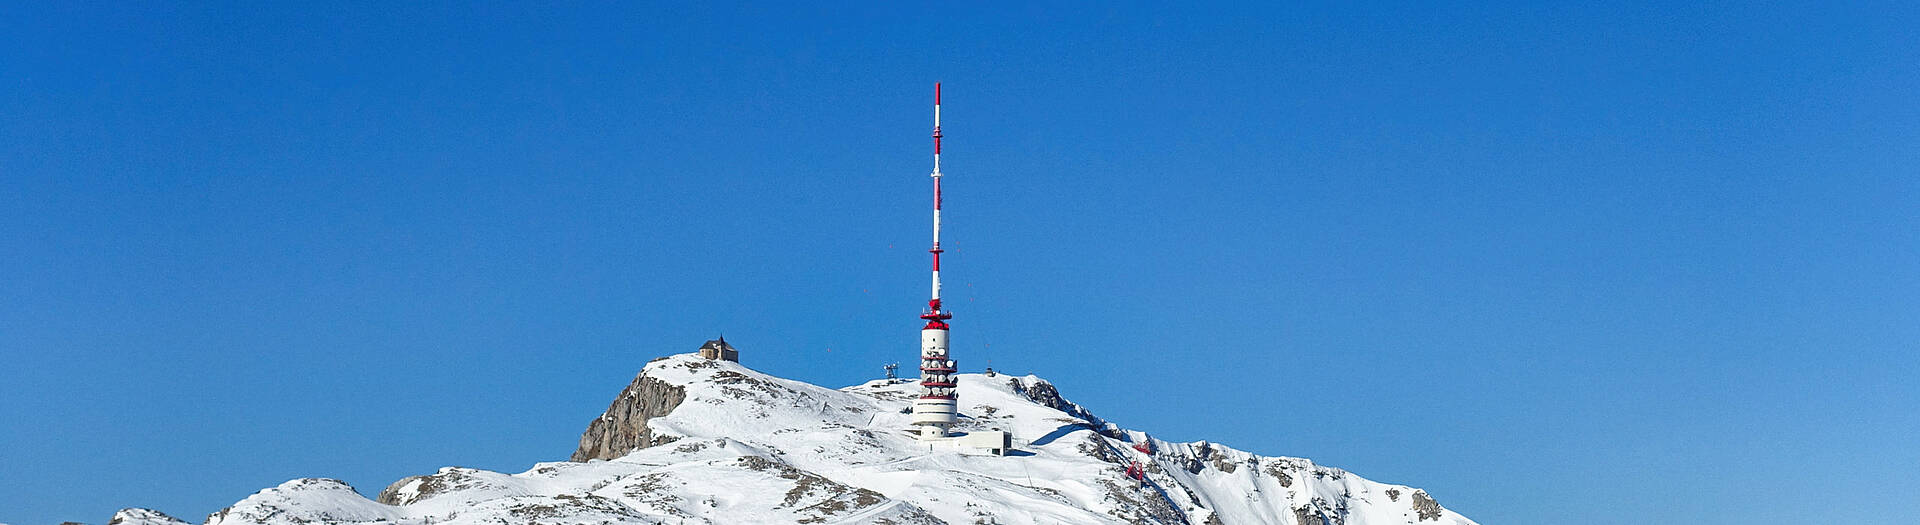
[[623, 427], [1134, 505], [1046, 395], [1425, 506], [392, 496]]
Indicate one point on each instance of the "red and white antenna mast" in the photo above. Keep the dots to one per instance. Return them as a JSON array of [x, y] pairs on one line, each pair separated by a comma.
[[936, 408]]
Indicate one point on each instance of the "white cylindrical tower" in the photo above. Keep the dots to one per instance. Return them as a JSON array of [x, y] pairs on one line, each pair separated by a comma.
[[936, 409]]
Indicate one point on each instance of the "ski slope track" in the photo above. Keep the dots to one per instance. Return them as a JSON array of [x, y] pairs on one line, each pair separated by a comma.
[[741, 447]]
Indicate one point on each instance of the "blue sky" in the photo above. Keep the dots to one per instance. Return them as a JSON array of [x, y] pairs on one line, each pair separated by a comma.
[[1554, 263]]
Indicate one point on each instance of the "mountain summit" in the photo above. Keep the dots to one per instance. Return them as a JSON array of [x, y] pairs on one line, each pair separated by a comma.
[[697, 440]]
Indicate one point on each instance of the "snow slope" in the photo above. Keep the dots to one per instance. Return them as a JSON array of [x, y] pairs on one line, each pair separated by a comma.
[[745, 447]]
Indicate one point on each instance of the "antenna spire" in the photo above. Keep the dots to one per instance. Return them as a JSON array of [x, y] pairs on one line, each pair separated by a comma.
[[937, 407], [934, 304]]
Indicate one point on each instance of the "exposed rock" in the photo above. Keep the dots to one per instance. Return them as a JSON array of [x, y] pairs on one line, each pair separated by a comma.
[[1204, 452], [1043, 392], [392, 495], [623, 427], [1097, 449], [913, 516], [143, 517], [1427, 508], [829, 498], [1278, 470], [421, 488], [1135, 505]]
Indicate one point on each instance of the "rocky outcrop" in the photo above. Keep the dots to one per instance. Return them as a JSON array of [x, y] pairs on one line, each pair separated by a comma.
[[408, 490], [415, 489], [1042, 392], [143, 517], [1427, 508], [623, 427]]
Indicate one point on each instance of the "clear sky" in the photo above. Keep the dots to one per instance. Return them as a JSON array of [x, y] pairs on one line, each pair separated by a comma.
[[1558, 264]]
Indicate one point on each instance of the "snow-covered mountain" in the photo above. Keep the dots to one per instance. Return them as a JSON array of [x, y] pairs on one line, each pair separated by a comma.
[[720, 443]]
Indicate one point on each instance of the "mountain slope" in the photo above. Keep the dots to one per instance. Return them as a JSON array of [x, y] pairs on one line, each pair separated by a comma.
[[726, 444]]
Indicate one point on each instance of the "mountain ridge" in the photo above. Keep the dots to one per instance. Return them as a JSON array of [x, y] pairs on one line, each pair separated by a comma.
[[695, 440]]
